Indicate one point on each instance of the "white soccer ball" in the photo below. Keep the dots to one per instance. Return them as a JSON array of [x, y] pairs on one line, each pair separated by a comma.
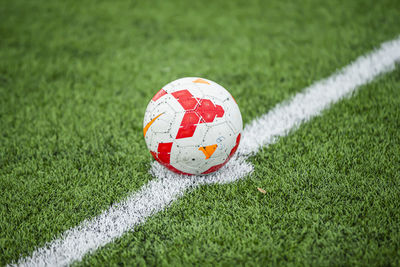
[[192, 126]]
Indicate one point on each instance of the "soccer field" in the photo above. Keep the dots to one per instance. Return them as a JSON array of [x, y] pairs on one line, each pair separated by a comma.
[[75, 80]]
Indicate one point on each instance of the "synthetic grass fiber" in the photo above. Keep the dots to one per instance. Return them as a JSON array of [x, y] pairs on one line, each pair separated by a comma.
[[326, 203], [76, 76]]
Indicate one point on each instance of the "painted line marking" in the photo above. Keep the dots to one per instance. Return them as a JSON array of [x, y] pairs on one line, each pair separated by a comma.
[[159, 193]]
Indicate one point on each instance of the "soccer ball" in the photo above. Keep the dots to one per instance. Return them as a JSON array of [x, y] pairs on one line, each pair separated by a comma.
[[192, 126]]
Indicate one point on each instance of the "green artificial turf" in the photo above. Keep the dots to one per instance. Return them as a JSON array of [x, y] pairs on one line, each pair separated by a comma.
[[332, 199], [75, 79]]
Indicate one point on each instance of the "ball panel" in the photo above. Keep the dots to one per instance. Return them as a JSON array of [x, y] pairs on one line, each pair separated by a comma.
[[218, 166], [196, 139], [189, 159], [163, 157], [221, 135], [233, 117]]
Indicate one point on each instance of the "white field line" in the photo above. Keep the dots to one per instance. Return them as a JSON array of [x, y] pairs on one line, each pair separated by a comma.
[[167, 187]]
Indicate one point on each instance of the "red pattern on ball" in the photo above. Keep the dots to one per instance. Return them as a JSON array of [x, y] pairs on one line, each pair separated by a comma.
[[163, 156], [198, 110], [158, 95]]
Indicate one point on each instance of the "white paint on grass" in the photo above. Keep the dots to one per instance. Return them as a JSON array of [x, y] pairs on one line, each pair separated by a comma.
[[119, 218], [167, 187]]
